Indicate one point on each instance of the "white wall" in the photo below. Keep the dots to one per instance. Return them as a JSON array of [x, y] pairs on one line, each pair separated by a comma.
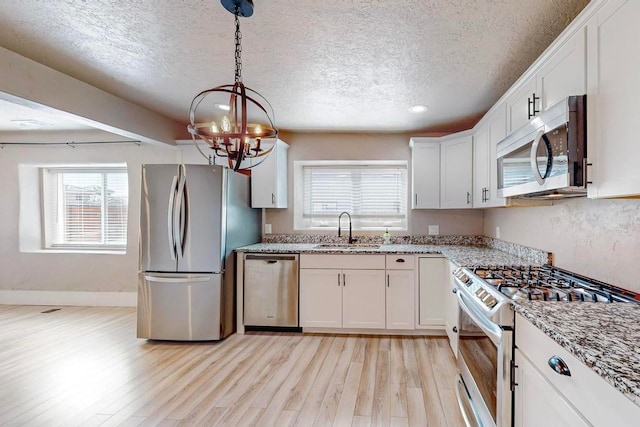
[[595, 238], [74, 272], [318, 146]]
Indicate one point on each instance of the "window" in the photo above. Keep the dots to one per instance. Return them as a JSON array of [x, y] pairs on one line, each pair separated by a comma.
[[373, 193], [85, 208]]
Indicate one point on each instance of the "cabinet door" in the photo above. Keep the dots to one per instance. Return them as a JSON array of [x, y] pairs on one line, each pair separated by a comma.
[[320, 298], [269, 178], [538, 403], [518, 108], [565, 73], [456, 178], [433, 288], [363, 299], [452, 311], [480, 166], [613, 87], [497, 132], [425, 174], [400, 299]]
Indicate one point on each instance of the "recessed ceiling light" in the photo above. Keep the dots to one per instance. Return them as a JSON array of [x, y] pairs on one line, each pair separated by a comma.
[[223, 107], [418, 108]]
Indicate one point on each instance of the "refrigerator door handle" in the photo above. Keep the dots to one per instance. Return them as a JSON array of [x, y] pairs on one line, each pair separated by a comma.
[[170, 218], [178, 220], [184, 218], [193, 279]]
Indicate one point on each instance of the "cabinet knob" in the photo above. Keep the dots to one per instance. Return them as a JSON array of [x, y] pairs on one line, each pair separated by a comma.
[[455, 329], [558, 365], [400, 260], [468, 197], [454, 290]]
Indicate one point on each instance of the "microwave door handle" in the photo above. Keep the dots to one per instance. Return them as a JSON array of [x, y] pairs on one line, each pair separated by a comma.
[[534, 157], [487, 327]]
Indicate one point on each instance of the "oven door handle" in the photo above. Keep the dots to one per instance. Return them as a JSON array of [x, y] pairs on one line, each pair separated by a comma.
[[460, 389], [492, 330]]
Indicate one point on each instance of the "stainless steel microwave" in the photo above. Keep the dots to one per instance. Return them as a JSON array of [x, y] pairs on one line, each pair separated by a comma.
[[546, 158]]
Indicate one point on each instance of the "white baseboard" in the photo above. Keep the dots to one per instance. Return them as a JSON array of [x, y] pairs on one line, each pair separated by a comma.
[[75, 298]]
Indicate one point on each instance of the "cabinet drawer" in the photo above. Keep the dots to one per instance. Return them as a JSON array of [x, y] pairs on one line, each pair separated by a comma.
[[351, 262], [400, 262], [586, 390]]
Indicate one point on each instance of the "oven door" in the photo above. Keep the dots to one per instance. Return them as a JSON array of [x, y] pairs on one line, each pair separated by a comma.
[[485, 352]]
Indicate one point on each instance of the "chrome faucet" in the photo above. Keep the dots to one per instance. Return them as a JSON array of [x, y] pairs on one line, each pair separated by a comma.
[[351, 239]]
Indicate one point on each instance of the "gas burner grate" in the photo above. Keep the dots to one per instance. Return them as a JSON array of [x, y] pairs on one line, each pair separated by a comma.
[[548, 283]]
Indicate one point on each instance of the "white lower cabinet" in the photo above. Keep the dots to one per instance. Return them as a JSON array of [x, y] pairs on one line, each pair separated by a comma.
[[452, 310], [544, 397], [400, 298], [337, 298], [363, 299], [432, 288], [537, 403], [357, 291], [320, 298]]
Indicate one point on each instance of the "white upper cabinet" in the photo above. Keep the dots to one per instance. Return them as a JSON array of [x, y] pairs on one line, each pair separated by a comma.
[[561, 74], [425, 173], [269, 178], [613, 91], [497, 124], [522, 105], [564, 73], [481, 162], [442, 172], [456, 176]]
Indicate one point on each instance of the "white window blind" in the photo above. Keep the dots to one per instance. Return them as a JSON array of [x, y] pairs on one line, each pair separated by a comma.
[[374, 195], [85, 207]]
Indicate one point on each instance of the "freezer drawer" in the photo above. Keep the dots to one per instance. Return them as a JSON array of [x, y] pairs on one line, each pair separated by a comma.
[[271, 290], [179, 307]]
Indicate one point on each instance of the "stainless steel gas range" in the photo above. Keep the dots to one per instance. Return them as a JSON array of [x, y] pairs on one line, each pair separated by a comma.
[[486, 329]]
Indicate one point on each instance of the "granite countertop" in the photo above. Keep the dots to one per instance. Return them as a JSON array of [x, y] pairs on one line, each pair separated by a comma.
[[605, 337], [462, 255]]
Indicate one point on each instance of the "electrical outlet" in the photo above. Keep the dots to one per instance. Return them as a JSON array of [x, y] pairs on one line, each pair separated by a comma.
[[434, 230], [267, 229], [497, 232]]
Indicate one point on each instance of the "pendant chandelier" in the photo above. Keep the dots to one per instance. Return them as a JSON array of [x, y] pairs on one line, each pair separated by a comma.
[[233, 119]]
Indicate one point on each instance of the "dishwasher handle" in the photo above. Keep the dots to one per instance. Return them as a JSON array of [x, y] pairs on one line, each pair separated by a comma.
[[270, 258]]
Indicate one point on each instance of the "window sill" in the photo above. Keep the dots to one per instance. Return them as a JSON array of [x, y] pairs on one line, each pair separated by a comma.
[[78, 251]]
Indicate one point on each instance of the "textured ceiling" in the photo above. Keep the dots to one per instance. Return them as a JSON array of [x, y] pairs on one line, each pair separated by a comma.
[[333, 65]]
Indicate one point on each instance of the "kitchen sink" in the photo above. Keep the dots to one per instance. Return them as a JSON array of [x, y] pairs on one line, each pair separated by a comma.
[[344, 246]]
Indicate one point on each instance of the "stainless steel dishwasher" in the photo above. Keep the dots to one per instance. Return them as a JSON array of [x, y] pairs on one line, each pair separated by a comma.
[[271, 290]]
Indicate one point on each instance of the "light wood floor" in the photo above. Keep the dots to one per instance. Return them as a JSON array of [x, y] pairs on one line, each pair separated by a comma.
[[84, 366]]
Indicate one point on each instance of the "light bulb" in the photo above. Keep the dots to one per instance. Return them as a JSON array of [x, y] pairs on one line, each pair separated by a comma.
[[226, 124], [214, 127], [258, 129]]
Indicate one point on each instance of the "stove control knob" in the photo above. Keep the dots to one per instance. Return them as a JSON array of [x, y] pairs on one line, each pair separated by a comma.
[[491, 302]]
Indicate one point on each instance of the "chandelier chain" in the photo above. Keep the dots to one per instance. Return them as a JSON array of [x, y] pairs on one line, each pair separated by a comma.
[[238, 48]]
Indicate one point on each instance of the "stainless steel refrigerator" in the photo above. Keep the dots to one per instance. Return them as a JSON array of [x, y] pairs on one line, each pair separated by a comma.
[[192, 217]]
